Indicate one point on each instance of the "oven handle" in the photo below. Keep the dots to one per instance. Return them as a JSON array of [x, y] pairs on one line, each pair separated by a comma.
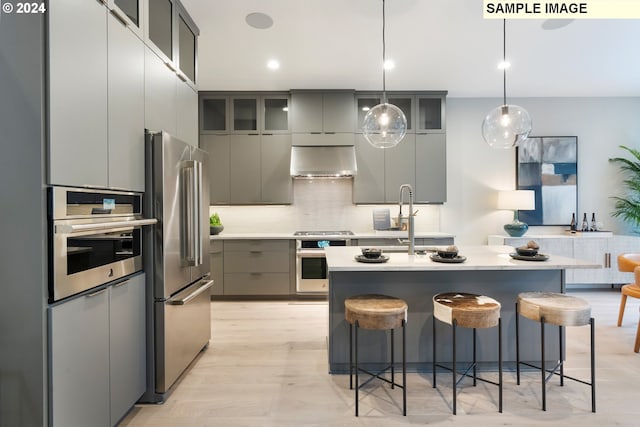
[[310, 253], [67, 228]]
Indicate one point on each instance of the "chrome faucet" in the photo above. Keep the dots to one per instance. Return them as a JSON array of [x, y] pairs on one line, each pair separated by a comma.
[[410, 228]]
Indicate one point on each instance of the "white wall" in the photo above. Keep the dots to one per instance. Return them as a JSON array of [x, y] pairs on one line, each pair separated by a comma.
[[474, 173]]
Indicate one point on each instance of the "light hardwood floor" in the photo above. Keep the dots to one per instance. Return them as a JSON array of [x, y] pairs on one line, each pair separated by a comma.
[[267, 366]]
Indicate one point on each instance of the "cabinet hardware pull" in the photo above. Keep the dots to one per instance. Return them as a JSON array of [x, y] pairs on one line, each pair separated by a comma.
[[170, 66], [116, 13], [330, 133], [255, 252], [93, 294], [181, 76]]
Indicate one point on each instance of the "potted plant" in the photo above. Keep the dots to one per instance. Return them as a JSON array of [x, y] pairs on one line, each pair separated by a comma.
[[628, 208], [215, 225]]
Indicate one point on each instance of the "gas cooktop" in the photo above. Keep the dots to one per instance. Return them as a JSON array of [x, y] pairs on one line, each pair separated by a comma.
[[323, 233]]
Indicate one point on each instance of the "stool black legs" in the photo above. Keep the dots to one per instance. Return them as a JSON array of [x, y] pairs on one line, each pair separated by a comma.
[[454, 372], [354, 368]]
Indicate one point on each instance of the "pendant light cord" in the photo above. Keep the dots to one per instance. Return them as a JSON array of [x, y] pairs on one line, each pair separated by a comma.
[[504, 62], [384, 59]]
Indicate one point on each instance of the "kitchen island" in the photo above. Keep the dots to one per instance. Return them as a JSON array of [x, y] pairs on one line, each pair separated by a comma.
[[487, 270]]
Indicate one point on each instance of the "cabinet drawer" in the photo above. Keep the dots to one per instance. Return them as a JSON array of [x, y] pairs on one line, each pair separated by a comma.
[[256, 245], [256, 283], [215, 246], [256, 262]]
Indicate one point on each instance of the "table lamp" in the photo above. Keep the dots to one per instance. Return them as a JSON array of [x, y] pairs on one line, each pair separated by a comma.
[[516, 200]]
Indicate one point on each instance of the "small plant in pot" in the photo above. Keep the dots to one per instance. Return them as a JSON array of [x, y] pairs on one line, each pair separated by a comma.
[[215, 225], [628, 208]]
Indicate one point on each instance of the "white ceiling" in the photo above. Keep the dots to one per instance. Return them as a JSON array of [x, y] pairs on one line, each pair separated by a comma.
[[436, 45]]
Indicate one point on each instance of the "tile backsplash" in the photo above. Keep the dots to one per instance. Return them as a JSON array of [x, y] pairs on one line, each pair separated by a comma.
[[318, 204]]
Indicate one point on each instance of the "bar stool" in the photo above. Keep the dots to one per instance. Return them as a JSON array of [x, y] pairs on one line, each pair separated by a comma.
[[378, 312], [467, 311], [561, 310]]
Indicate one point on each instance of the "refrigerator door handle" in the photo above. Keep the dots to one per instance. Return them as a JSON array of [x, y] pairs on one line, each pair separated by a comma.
[[182, 301], [197, 213], [188, 186]]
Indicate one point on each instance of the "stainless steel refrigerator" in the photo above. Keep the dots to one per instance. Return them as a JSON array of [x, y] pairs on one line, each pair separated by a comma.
[[177, 195]]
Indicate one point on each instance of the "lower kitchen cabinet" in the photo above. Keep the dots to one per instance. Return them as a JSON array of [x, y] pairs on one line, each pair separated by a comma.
[[97, 346], [216, 263], [387, 241], [258, 267]]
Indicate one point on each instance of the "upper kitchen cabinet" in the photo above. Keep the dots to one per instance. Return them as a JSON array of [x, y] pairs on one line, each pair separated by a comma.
[[160, 27], [430, 113], [275, 117], [160, 94], [187, 114], [78, 149], [187, 48], [130, 13], [365, 102], [431, 168], [322, 117], [244, 114], [126, 107], [214, 114]]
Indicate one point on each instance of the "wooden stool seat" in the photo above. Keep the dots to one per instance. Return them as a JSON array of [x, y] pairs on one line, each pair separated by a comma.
[[469, 310], [375, 311], [557, 309]]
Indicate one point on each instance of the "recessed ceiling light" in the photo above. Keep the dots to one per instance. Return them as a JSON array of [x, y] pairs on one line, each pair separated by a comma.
[[273, 64], [258, 20], [503, 65], [389, 64]]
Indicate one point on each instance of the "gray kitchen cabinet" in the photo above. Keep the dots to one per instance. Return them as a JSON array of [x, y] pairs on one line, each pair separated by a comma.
[[592, 249], [159, 27], [218, 147], [160, 94], [127, 345], [187, 113], [131, 13], [187, 46], [399, 168], [79, 362], [126, 107], [244, 114], [275, 160], [275, 117], [369, 183], [257, 267], [78, 93], [98, 355], [430, 113], [431, 168], [366, 101], [214, 114], [322, 118], [244, 171], [216, 262]]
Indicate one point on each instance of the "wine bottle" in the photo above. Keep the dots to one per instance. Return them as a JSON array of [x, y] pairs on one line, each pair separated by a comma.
[[585, 224], [573, 222], [594, 227]]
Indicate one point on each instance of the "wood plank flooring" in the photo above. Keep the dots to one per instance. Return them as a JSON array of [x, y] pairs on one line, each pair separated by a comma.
[[267, 366]]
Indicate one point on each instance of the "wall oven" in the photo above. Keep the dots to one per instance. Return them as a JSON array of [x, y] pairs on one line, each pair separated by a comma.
[[95, 237], [311, 264]]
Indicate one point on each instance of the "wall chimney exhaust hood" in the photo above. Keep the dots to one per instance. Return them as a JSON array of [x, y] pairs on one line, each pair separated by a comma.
[[334, 161]]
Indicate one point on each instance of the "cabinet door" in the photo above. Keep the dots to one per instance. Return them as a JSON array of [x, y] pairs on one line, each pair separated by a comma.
[[130, 12], [244, 114], [364, 103], [275, 110], [338, 112], [405, 103], [186, 47], [216, 261], [431, 168], [214, 114], [160, 26], [127, 345], [244, 169], [277, 185], [590, 249], [78, 93], [218, 147], [369, 183], [187, 119], [399, 167], [126, 108], [79, 348], [160, 94], [430, 113], [306, 112]]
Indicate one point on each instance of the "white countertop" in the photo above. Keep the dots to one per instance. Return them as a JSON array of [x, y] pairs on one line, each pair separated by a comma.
[[356, 235], [341, 258]]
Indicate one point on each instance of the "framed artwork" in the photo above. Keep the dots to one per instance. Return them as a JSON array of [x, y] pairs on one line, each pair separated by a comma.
[[548, 165]]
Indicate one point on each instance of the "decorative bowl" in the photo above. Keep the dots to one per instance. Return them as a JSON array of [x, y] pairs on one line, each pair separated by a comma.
[[371, 252], [447, 254], [215, 229], [524, 251]]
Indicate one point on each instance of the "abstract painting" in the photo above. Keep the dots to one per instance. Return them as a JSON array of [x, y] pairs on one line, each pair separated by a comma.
[[548, 165]]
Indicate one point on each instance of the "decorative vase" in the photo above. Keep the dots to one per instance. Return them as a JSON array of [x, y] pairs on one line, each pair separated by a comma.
[[215, 229], [516, 228]]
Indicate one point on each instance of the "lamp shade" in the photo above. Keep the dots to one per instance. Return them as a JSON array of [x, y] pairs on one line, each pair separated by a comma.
[[523, 200]]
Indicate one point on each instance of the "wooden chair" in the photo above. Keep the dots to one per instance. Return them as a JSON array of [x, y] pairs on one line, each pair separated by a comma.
[[629, 263], [636, 348]]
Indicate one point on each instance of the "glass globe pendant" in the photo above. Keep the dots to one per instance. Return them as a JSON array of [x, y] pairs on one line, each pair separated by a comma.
[[385, 124], [507, 125]]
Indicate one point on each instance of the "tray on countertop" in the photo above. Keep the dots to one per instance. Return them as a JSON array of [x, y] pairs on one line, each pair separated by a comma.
[[537, 257], [378, 260], [455, 260]]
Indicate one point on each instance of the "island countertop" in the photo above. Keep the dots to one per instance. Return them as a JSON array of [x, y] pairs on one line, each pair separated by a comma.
[[342, 258]]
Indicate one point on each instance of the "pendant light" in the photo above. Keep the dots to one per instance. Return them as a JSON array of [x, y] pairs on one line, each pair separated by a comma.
[[384, 125], [507, 125]]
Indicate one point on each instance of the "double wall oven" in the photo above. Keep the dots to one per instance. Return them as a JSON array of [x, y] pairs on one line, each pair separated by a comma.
[[311, 264], [95, 238]]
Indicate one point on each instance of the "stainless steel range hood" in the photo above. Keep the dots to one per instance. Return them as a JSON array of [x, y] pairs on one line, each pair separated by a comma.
[[335, 161]]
